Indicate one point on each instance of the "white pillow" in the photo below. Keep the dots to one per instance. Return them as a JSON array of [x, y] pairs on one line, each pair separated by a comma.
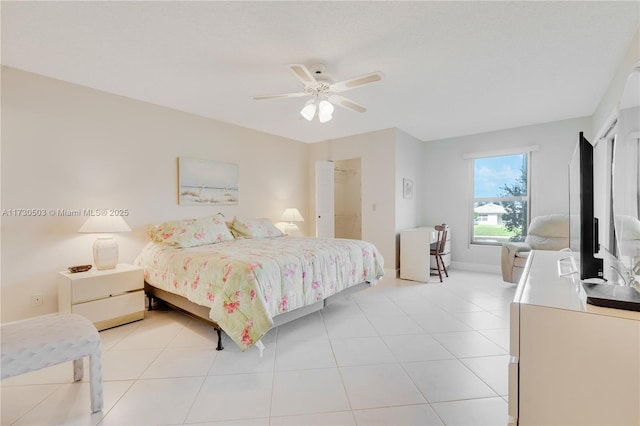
[[254, 228]]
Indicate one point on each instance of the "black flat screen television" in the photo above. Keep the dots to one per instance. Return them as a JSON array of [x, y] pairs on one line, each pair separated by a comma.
[[583, 224]]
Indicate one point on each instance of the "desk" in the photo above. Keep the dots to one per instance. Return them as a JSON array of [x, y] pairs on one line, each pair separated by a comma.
[[414, 253]]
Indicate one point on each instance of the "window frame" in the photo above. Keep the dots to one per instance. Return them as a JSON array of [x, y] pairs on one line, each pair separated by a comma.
[[473, 200]]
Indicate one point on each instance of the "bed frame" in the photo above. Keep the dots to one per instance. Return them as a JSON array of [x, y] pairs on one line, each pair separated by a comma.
[[202, 312]]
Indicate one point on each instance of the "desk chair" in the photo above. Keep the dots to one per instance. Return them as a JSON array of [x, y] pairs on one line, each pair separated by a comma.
[[438, 249]]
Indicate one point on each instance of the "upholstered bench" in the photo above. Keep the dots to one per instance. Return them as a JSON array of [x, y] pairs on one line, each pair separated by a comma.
[[40, 342]]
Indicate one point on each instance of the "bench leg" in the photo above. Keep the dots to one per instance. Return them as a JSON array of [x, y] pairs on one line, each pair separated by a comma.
[[78, 369], [95, 383]]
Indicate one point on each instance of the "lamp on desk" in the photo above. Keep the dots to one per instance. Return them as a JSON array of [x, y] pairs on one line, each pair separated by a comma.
[[105, 248], [290, 216]]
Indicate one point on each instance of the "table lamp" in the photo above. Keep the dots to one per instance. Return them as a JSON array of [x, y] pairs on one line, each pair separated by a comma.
[[105, 248], [291, 215]]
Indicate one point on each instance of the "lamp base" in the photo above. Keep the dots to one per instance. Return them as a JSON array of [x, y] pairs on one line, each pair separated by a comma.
[[105, 253], [292, 229]]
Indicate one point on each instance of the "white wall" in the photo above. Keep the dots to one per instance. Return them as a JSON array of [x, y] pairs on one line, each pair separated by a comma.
[[69, 147], [449, 180], [410, 154]]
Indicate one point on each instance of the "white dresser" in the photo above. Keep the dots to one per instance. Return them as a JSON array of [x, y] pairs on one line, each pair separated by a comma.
[[415, 261], [107, 297], [571, 362]]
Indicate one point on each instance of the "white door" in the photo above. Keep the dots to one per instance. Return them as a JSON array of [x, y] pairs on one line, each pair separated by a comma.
[[325, 207]]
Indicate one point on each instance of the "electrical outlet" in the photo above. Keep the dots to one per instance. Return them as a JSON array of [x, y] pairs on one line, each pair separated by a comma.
[[36, 299]]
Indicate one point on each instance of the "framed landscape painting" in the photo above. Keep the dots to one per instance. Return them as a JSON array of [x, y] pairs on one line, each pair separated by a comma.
[[206, 182]]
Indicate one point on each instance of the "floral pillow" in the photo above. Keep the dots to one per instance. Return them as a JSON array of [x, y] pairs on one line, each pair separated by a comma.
[[254, 228], [191, 232]]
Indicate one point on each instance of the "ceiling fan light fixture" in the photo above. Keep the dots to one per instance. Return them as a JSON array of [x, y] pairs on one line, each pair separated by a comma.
[[325, 111], [309, 110], [323, 89], [326, 107], [323, 118]]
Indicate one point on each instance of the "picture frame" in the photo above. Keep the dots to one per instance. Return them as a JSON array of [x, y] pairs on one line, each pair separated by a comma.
[[407, 189], [206, 182]]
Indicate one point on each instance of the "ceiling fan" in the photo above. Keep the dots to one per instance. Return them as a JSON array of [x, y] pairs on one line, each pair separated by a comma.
[[323, 91]]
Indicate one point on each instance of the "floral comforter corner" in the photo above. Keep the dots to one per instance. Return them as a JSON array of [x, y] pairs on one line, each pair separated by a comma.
[[249, 281]]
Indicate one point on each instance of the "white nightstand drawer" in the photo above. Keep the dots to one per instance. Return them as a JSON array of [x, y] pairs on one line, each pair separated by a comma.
[[93, 285], [112, 311]]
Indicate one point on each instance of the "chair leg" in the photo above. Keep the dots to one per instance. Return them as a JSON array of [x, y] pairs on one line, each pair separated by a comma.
[[444, 267], [438, 265]]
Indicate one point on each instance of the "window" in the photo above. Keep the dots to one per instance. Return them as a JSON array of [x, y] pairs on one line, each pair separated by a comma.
[[500, 199]]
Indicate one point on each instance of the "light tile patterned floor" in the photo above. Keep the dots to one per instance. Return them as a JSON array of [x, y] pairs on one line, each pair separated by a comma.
[[402, 353]]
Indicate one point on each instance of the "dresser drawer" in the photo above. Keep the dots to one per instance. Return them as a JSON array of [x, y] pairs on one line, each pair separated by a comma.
[[113, 311], [95, 284]]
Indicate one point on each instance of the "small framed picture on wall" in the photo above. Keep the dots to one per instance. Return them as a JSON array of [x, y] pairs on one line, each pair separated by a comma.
[[407, 189]]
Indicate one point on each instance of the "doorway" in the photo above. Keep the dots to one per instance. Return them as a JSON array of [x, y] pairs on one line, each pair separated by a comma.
[[339, 199], [348, 199]]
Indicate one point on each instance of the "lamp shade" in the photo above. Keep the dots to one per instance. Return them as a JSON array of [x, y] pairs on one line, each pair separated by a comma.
[[292, 215], [309, 110], [326, 107], [104, 225], [325, 111]]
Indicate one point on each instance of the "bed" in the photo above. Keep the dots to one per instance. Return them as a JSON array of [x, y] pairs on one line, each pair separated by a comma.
[[246, 277]]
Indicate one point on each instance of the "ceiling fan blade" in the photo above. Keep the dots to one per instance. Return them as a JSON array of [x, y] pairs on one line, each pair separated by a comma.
[[363, 80], [346, 103], [303, 74], [280, 96]]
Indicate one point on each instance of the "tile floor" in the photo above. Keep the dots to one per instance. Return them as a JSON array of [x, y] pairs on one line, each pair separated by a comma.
[[401, 353]]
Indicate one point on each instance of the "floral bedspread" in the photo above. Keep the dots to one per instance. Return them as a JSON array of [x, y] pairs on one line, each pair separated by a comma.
[[247, 282]]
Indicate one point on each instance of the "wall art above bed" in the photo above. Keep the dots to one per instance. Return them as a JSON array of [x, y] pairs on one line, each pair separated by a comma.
[[206, 182]]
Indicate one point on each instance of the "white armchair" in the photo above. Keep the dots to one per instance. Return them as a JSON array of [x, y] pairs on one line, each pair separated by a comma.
[[549, 232]]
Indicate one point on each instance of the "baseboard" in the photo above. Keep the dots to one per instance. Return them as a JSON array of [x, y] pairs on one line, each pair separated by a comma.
[[391, 273], [476, 267], [462, 266]]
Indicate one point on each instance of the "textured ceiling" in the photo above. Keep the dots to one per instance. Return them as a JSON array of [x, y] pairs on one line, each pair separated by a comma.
[[450, 68]]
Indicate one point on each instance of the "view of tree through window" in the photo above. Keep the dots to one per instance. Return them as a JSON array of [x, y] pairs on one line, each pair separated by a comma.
[[500, 199]]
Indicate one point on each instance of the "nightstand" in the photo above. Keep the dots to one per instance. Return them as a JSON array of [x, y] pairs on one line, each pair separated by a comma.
[[107, 297]]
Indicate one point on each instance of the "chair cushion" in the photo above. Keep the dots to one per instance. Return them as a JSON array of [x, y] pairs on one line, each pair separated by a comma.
[[550, 232], [547, 243]]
